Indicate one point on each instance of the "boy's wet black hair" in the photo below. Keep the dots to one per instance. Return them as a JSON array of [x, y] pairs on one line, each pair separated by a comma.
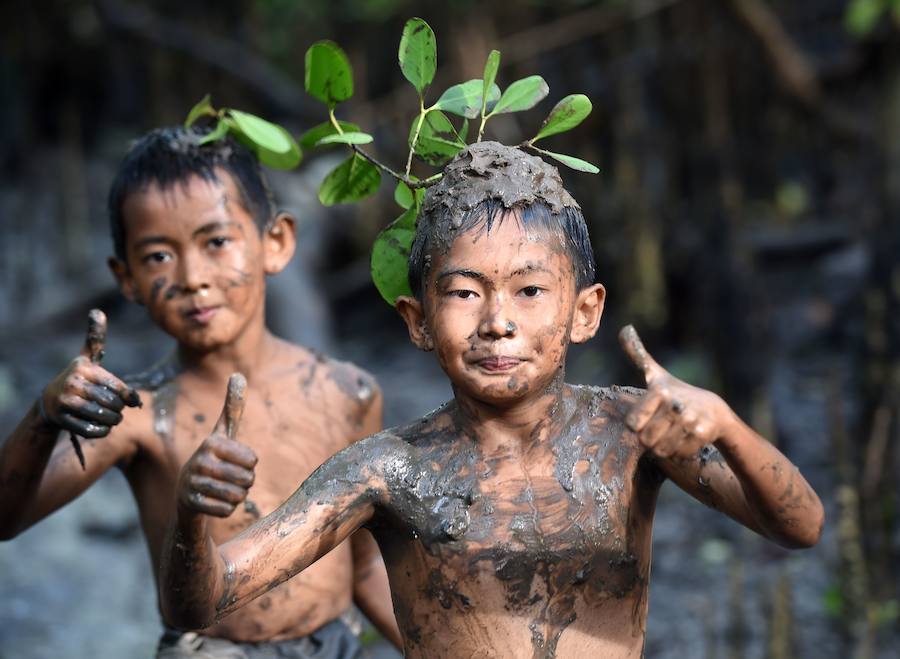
[[170, 156], [567, 226]]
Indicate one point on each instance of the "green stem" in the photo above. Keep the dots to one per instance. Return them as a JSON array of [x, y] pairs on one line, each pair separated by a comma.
[[410, 183], [483, 122], [415, 139], [334, 121]]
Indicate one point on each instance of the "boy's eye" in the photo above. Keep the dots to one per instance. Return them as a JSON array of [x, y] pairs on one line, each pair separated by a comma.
[[463, 294], [157, 257], [531, 291], [218, 242]]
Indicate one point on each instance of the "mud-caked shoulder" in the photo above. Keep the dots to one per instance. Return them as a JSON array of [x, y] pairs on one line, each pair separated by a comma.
[[618, 398], [380, 457], [437, 426], [355, 383]]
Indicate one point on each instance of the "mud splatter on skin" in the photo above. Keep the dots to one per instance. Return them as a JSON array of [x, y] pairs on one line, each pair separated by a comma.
[[172, 291], [251, 509], [357, 386], [155, 289], [159, 380], [242, 278], [548, 544]]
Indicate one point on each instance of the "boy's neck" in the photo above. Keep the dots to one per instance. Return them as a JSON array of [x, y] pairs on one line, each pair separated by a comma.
[[248, 354], [516, 426]]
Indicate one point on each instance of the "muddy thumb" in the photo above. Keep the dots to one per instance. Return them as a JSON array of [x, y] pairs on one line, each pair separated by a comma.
[[234, 406], [633, 346], [95, 341]]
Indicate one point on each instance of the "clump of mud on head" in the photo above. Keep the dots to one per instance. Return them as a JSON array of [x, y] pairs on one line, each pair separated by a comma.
[[480, 185]]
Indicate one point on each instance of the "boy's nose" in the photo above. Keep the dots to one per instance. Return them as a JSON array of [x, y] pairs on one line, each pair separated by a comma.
[[194, 273], [497, 323]]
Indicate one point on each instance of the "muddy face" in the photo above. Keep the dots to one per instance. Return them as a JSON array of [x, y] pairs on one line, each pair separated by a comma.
[[195, 259], [498, 306]]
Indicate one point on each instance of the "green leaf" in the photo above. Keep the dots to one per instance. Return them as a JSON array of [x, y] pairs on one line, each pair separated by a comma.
[[216, 133], [408, 219], [203, 108], [328, 77], [438, 140], [264, 133], [572, 161], [311, 137], [464, 99], [418, 54], [390, 260], [464, 131], [490, 74], [352, 180], [862, 15], [403, 195], [565, 115], [523, 94], [406, 198], [286, 160], [350, 137]]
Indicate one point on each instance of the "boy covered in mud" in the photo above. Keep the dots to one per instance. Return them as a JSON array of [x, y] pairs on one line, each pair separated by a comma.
[[196, 233], [515, 520]]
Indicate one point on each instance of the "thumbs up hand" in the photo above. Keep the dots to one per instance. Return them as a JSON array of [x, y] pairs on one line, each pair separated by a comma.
[[219, 474], [85, 398], [674, 419]]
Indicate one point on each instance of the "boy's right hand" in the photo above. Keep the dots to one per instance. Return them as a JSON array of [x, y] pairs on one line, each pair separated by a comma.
[[85, 398], [219, 474]]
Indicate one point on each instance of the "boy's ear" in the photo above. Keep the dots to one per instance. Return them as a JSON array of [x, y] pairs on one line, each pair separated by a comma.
[[413, 314], [126, 282], [588, 309], [279, 243]]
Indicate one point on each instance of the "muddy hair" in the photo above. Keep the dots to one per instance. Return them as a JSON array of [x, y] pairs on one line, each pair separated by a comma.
[[170, 156], [487, 183]]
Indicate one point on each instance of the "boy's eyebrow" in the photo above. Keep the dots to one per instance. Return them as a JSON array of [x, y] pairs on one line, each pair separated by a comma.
[[530, 267], [215, 225], [149, 240], [462, 272]]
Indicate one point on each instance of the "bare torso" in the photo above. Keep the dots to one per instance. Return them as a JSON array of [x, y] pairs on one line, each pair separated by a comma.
[[300, 410], [544, 552]]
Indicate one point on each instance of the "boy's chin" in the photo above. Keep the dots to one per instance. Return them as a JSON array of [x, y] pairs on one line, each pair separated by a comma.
[[200, 341], [505, 394]]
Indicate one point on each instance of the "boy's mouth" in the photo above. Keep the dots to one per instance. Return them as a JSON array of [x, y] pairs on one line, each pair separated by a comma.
[[201, 315], [498, 363]]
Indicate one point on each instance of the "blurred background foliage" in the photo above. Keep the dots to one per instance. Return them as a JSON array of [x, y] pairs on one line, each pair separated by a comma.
[[746, 221]]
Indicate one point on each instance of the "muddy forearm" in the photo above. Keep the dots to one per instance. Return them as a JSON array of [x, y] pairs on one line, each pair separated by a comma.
[[781, 501], [192, 574], [23, 459]]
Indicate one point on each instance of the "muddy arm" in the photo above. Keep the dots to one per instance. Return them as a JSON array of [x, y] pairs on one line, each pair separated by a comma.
[[201, 582], [42, 464], [702, 445], [745, 476]]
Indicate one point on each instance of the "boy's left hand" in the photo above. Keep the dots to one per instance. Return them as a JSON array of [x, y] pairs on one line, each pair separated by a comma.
[[674, 419]]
